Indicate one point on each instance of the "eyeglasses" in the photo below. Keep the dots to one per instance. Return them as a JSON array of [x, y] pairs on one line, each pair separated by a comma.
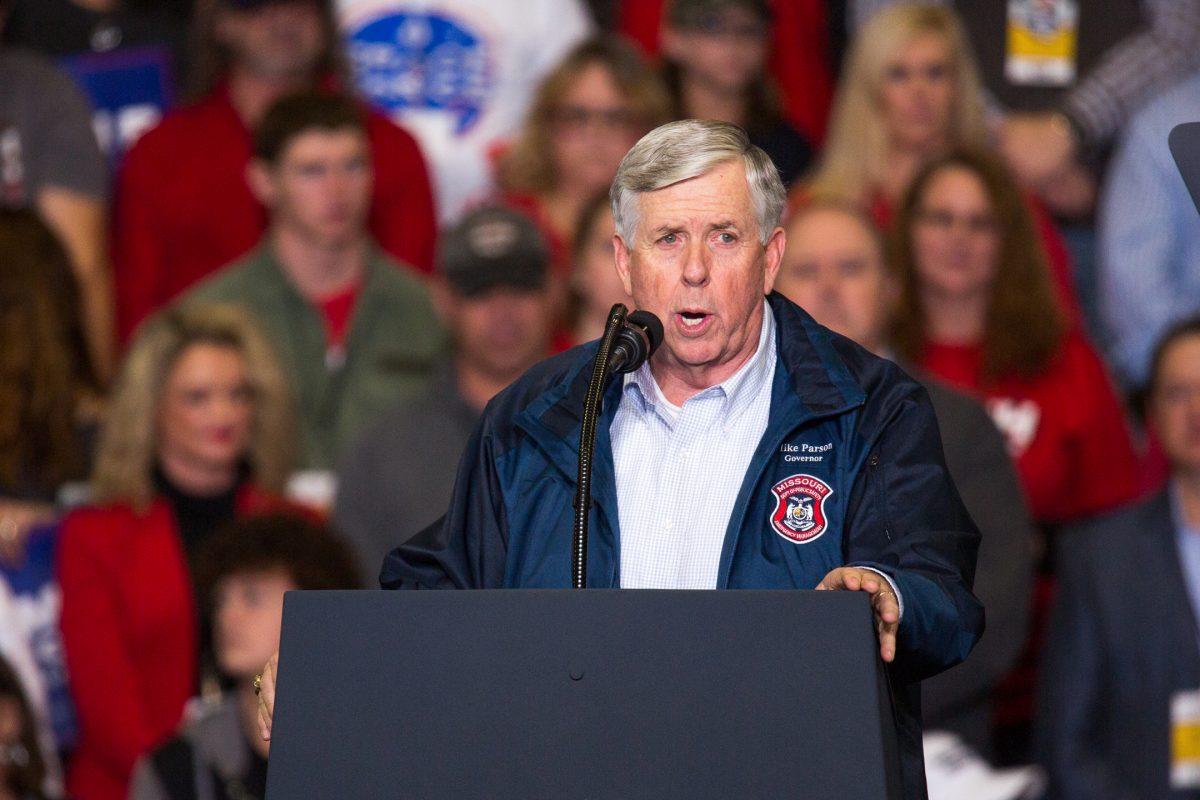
[[581, 117], [719, 26], [945, 221]]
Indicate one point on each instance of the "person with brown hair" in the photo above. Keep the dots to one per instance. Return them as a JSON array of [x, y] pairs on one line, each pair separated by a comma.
[[183, 207], [242, 575], [47, 386], [586, 115], [47, 389], [715, 67], [977, 310], [199, 431], [910, 93], [50, 161], [594, 284]]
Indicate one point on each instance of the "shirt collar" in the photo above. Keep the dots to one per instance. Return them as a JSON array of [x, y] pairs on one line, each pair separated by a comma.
[[738, 390], [1182, 529]]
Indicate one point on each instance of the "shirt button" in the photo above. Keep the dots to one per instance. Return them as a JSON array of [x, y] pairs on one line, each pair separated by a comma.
[[667, 525]]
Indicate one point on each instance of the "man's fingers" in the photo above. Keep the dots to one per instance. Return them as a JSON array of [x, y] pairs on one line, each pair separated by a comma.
[[887, 643], [887, 608], [266, 697]]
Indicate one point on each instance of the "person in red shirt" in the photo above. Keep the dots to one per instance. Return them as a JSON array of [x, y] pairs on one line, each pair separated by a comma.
[[200, 431], [978, 310], [910, 92], [183, 208], [586, 115]]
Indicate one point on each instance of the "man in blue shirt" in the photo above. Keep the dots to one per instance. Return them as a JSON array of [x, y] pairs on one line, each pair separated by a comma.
[[756, 449]]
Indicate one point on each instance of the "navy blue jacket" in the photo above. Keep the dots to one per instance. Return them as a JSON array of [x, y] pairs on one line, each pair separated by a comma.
[[850, 420]]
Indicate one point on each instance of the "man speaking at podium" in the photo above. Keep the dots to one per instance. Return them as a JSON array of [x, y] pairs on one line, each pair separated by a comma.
[[754, 450]]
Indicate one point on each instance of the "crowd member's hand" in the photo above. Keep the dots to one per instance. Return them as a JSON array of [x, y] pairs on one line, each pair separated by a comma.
[[883, 602], [1038, 147], [17, 520], [1071, 194], [265, 689]]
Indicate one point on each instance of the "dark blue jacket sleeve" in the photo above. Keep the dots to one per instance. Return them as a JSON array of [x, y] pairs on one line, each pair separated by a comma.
[[466, 548], [907, 520]]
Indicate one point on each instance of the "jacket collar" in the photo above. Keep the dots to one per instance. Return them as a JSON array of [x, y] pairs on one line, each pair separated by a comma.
[[820, 384]]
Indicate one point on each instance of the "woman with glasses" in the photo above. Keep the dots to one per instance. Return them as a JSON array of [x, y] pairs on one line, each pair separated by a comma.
[[977, 309], [586, 115]]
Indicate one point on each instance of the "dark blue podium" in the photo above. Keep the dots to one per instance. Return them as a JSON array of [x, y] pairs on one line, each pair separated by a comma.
[[595, 694]]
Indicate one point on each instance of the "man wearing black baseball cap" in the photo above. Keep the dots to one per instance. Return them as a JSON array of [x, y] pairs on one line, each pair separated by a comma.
[[492, 291]]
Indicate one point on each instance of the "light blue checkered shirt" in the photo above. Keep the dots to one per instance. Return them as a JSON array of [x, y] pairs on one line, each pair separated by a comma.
[[680, 468]]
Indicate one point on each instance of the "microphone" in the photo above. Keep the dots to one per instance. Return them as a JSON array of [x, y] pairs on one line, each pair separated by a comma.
[[637, 340]]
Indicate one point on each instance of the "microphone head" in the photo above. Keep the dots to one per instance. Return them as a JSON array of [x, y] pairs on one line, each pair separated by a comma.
[[651, 324]]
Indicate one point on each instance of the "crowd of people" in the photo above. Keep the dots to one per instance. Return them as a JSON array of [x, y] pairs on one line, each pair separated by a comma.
[[263, 264]]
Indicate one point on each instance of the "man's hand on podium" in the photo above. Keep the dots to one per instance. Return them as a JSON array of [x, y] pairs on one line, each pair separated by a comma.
[[883, 601], [265, 688]]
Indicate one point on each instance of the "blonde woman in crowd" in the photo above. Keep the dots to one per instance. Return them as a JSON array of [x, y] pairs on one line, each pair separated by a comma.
[[910, 92], [200, 430]]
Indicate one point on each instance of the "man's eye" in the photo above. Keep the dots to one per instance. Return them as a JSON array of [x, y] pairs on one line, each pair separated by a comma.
[[670, 238], [727, 238]]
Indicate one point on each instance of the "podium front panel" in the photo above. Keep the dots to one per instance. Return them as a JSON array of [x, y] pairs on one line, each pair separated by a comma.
[[574, 695]]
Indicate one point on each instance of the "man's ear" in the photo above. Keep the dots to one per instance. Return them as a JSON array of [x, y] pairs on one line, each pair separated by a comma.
[[621, 255], [261, 180], [773, 258]]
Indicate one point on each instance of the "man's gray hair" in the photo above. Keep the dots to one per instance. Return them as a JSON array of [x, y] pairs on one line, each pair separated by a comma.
[[687, 149]]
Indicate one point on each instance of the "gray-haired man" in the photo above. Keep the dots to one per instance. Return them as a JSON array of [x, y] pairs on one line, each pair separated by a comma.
[[747, 397]]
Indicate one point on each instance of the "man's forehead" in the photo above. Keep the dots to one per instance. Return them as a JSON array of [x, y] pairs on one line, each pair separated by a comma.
[[721, 194], [324, 142], [834, 233]]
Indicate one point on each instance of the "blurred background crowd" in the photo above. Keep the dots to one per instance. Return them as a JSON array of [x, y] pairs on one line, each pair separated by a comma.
[[264, 262]]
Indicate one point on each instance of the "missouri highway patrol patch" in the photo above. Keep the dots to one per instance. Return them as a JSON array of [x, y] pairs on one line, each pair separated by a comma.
[[799, 514]]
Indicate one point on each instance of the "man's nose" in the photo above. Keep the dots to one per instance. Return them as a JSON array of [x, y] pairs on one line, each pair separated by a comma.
[[696, 267]]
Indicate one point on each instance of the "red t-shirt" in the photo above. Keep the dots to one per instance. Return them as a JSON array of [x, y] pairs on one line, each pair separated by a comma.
[[183, 208], [1066, 429], [336, 311]]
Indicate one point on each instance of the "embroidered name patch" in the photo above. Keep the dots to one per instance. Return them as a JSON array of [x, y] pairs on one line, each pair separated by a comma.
[[799, 514]]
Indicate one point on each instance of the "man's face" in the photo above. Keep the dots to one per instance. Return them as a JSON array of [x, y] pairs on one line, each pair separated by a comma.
[[726, 52], [500, 332], [695, 261], [1175, 404], [834, 269], [279, 40], [321, 186]]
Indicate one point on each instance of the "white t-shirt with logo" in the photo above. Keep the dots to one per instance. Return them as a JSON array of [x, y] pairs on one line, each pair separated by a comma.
[[458, 74]]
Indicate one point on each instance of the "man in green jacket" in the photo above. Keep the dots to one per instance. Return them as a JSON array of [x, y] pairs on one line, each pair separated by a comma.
[[355, 330]]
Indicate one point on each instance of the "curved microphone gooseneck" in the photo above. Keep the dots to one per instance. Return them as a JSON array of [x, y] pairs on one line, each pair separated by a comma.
[[628, 340], [587, 444]]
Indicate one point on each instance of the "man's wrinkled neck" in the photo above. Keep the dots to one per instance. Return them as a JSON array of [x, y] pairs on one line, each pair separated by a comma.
[[680, 382]]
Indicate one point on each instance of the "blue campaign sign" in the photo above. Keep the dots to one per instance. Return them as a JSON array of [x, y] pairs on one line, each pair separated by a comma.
[[130, 90], [429, 61]]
